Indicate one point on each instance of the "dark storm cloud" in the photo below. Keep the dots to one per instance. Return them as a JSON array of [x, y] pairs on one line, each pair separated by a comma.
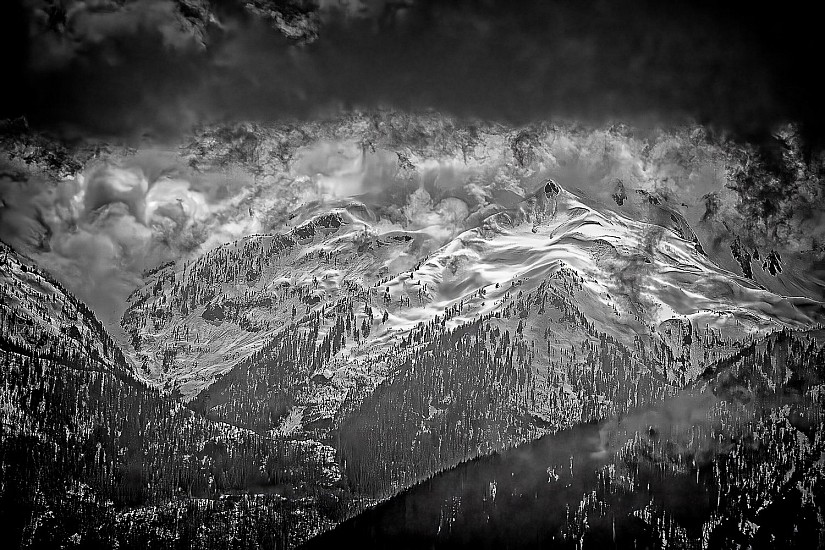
[[146, 69]]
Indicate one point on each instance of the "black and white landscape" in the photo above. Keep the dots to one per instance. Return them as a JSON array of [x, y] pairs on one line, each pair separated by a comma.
[[411, 274]]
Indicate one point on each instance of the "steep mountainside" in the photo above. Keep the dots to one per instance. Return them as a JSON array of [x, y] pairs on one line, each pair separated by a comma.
[[41, 319], [556, 313], [734, 460], [92, 457]]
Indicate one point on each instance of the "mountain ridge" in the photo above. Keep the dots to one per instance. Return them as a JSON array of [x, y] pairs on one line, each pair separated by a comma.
[[386, 316]]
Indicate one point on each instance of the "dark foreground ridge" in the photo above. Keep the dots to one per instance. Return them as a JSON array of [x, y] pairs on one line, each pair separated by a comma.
[[747, 472]]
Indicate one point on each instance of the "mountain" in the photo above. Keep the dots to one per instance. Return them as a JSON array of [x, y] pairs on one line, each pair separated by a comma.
[[93, 457], [733, 460], [316, 317], [338, 331], [41, 319], [191, 321]]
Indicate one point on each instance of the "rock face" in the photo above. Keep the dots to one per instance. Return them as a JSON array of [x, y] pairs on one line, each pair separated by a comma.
[[407, 293]]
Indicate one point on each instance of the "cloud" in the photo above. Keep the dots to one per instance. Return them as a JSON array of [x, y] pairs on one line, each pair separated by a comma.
[[338, 167], [101, 229], [442, 220], [144, 67], [142, 208]]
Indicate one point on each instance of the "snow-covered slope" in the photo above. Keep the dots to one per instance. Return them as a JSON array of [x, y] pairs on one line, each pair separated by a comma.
[[643, 274], [194, 321]]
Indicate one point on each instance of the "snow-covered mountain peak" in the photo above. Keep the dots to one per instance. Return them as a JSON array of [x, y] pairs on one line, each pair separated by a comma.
[[193, 322]]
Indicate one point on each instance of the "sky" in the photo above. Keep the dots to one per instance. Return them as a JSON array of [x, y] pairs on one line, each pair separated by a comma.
[[96, 67]]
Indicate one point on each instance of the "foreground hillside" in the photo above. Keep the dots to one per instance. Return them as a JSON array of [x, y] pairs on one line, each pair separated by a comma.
[[91, 457], [734, 460]]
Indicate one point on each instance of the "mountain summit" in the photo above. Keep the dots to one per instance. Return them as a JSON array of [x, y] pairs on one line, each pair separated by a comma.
[[314, 318]]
